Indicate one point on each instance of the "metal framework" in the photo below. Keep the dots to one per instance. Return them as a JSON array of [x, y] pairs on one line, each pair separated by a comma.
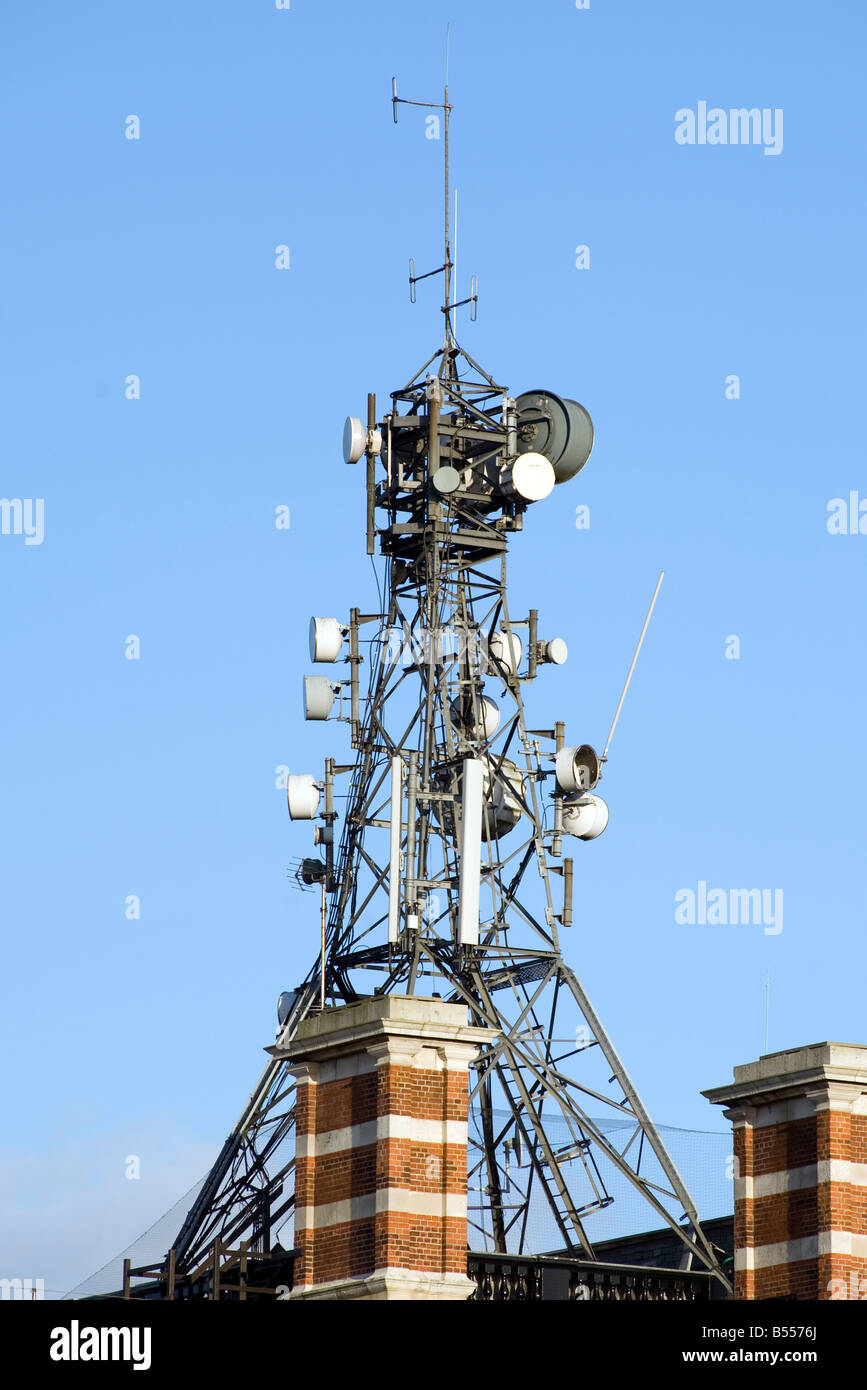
[[441, 766]]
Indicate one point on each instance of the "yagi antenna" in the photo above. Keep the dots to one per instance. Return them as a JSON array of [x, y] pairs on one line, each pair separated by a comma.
[[632, 667]]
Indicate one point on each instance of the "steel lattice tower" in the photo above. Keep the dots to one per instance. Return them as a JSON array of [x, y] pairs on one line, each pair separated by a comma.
[[445, 872]]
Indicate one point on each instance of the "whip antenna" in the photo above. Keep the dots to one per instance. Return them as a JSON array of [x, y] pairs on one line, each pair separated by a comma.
[[632, 667]]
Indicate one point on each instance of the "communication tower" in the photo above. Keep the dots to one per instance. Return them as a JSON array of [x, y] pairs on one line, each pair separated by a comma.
[[448, 870]]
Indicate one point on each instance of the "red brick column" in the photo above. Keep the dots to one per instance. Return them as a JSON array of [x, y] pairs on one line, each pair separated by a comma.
[[800, 1144], [381, 1149]]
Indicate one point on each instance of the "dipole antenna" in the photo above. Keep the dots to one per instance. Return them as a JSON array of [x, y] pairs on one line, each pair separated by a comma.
[[448, 265], [448, 246]]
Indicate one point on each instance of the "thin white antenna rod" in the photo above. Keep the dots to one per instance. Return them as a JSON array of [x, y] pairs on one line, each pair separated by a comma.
[[767, 1006], [632, 667]]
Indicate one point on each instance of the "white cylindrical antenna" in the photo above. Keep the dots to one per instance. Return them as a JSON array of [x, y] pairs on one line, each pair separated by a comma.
[[554, 651], [585, 816], [487, 723], [354, 439], [326, 639], [302, 795], [471, 852], [394, 855], [319, 697], [506, 649], [411, 795], [632, 667], [577, 768]]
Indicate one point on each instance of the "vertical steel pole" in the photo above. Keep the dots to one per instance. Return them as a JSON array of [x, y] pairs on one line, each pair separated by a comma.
[[329, 822], [371, 476], [557, 841], [324, 911]]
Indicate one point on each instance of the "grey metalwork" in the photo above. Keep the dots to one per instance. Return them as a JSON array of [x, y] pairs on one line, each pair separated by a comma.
[[537, 1279], [443, 505]]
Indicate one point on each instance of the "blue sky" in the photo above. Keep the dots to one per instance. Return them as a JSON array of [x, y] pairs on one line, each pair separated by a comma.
[[156, 777]]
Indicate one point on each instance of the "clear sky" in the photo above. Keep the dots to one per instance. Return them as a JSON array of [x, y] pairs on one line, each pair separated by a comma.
[[155, 777]]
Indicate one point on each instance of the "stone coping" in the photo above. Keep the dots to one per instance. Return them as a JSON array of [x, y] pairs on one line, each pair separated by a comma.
[[782, 1075], [353, 1026]]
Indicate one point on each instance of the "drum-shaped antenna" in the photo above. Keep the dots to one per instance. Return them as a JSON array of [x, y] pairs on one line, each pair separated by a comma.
[[354, 439], [326, 639], [507, 650], [557, 427], [555, 651], [585, 817], [302, 795], [577, 769], [318, 697], [487, 724]]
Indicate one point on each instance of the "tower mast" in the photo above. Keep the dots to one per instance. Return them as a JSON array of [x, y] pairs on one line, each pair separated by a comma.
[[449, 876]]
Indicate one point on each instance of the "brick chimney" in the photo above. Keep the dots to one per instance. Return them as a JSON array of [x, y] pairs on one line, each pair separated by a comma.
[[800, 1144], [381, 1149]]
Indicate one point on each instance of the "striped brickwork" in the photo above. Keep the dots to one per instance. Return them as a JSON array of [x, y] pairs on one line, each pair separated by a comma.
[[800, 1145], [381, 1149]]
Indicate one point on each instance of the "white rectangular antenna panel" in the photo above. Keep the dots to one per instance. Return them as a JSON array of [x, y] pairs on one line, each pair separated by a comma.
[[471, 853], [394, 857]]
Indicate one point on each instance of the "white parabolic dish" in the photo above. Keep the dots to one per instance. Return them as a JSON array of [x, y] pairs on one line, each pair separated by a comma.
[[531, 476]]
